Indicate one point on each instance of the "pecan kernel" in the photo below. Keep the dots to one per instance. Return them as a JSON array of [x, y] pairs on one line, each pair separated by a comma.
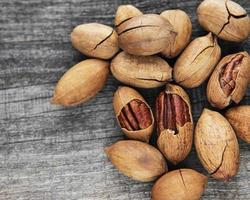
[[135, 116], [171, 110], [229, 74]]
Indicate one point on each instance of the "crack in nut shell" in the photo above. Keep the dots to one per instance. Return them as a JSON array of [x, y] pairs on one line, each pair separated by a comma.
[[135, 116], [171, 111], [229, 74]]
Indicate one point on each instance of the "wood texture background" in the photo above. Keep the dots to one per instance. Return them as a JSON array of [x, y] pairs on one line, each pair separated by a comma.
[[52, 152]]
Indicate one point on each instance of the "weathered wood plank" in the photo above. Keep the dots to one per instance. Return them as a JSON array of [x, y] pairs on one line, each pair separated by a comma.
[[51, 152]]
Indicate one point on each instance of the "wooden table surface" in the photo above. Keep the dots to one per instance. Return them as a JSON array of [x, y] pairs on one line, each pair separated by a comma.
[[52, 152]]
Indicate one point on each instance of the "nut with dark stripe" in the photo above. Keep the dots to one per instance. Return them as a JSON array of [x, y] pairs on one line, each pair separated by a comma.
[[174, 123], [133, 114]]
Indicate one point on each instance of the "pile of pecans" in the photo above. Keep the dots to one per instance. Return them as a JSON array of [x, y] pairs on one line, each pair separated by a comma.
[[145, 40]]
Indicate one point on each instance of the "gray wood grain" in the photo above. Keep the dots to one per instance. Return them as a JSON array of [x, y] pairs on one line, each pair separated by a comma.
[[52, 152]]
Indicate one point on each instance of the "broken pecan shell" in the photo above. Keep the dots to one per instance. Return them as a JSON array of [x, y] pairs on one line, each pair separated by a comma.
[[239, 118], [185, 184], [145, 34], [229, 80], [225, 18], [141, 71], [95, 40], [174, 123], [197, 61], [216, 145], [133, 114]]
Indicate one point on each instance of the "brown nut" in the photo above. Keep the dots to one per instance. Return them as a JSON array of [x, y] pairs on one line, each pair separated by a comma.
[[137, 160], [183, 28], [81, 82], [225, 18], [229, 79], [216, 145], [174, 123], [126, 12], [133, 114], [181, 184], [141, 71], [95, 40], [197, 61], [145, 34], [239, 118]]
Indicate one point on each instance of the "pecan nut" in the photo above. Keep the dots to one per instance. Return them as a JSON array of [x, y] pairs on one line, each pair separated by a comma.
[[229, 79], [216, 145], [133, 114], [174, 123]]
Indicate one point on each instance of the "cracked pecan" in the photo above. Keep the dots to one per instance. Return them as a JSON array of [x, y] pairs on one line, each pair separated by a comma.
[[228, 82], [141, 71], [174, 123], [133, 114], [179, 180], [145, 34], [95, 40], [216, 145], [225, 18], [197, 61]]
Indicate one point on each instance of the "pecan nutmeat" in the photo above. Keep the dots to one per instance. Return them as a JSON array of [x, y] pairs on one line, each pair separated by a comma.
[[171, 110], [135, 116], [229, 74]]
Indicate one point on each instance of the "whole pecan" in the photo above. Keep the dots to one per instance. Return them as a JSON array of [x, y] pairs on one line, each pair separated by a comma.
[[174, 123], [133, 114], [216, 145], [229, 79]]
